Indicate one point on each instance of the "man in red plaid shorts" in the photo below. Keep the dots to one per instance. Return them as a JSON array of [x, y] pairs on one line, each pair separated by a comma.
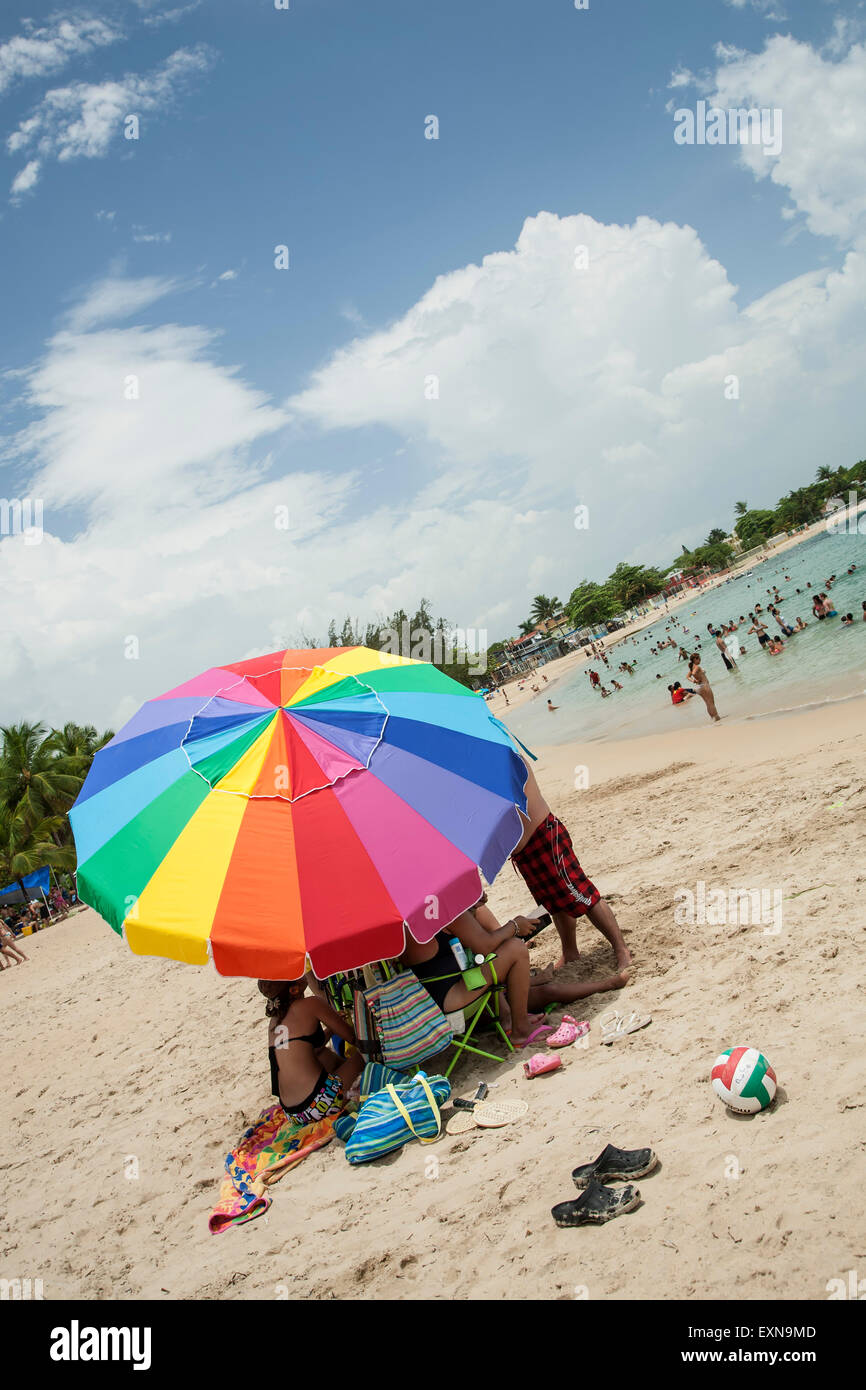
[[553, 875]]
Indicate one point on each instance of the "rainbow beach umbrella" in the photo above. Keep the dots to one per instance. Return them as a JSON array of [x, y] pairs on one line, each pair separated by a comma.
[[303, 804]]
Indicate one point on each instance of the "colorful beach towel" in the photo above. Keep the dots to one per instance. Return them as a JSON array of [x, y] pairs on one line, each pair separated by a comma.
[[267, 1150]]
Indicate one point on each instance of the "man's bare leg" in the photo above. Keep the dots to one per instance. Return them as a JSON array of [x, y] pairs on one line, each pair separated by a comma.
[[602, 918], [566, 925]]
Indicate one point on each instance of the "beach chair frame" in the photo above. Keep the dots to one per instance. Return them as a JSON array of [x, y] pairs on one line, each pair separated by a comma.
[[487, 1003]]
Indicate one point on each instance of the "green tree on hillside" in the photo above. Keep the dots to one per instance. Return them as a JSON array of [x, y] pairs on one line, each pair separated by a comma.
[[590, 603], [802, 505], [630, 583], [717, 555], [754, 527]]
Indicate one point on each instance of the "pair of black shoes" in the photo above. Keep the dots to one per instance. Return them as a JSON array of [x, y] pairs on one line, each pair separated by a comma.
[[598, 1204]]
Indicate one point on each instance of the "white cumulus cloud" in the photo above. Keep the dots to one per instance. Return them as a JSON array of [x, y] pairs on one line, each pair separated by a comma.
[[822, 97]]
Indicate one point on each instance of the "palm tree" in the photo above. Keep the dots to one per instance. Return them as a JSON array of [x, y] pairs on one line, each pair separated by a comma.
[[544, 607], [526, 627], [28, 844], [33, 774], [81, 741], [824, 473], [740, 508]]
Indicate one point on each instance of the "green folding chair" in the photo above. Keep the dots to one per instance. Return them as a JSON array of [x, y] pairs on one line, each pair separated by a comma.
[[472, 1014]]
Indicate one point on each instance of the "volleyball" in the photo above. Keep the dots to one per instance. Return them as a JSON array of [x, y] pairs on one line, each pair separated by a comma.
[[743, 1078]]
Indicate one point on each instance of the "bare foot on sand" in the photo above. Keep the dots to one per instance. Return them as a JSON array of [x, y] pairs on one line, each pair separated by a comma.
[[567, 958], [519, 1038], [613, 982]]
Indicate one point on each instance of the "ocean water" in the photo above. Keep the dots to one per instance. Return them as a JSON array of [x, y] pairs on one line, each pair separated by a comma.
[[824, 664]]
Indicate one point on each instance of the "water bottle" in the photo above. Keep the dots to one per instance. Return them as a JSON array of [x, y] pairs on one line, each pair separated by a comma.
[[459, 954]]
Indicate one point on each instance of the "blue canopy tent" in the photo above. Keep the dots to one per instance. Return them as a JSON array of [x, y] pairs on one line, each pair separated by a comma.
[[39, 882]]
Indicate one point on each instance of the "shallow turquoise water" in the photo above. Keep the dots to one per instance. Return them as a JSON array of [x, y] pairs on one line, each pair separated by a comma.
[[822, 664]]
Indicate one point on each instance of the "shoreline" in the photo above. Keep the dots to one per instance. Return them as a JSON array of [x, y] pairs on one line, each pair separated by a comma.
[[723, 744]]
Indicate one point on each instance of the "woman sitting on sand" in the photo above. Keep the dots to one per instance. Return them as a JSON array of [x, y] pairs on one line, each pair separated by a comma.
[[308, 1078], [698, 677], [437, 970]]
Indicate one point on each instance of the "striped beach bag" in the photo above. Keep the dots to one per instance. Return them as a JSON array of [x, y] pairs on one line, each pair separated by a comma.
[[410, 1025], [391, 1117]]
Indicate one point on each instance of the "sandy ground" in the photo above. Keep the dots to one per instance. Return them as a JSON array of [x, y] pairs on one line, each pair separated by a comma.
[[561, 666], [131, 1077]]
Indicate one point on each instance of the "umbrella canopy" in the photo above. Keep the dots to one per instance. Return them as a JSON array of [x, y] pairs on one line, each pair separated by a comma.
[[306, 803]]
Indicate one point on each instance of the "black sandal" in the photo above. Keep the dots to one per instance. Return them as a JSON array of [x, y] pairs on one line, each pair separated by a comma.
[[597, 1205], [616, 1165]]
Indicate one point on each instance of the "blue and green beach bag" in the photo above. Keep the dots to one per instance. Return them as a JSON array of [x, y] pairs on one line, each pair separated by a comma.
[[405, 1109]]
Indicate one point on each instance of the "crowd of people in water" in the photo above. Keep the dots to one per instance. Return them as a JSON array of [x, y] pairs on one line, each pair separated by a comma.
[[35, 914], [729, 646]]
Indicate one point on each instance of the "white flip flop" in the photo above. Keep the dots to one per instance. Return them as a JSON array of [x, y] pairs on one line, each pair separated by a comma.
[[616, 1025]]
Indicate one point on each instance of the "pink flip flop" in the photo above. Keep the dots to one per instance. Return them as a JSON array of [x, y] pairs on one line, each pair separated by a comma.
[[539, 1064], [568, 1032], [536, 1032]]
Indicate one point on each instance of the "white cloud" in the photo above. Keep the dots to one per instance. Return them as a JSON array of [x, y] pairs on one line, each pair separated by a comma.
[[115, 408], [770, 9], [227, 275], [117, 297], [155, 21], [41, 51], [352, 315], [25, 179], [682, 78], [140, 234], [555, 383], [82, 120], [822, 163]]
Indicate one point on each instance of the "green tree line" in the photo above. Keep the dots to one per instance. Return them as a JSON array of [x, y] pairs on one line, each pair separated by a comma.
[[41, 773]]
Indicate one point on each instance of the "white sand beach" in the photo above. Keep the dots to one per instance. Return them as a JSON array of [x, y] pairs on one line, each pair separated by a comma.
[[121, 1064]]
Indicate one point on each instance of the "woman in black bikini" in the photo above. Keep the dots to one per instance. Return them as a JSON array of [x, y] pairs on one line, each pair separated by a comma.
[[308, 1078], [436, 959]]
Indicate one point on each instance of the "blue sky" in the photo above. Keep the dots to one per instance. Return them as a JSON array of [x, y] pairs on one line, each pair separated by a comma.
[[154, 258]]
